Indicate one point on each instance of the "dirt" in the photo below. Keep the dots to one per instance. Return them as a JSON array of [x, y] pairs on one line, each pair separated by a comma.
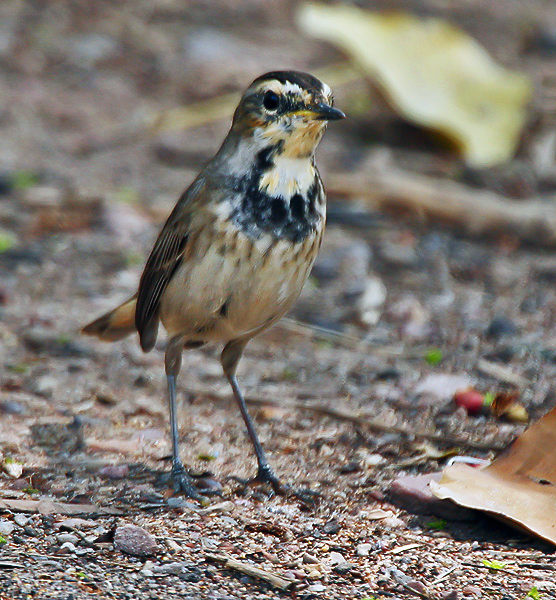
[[84, 192]]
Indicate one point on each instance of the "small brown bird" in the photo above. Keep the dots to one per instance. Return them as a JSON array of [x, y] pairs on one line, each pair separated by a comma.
[[238, 246]]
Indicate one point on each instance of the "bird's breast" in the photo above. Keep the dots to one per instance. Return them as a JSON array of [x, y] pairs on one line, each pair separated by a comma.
[[234, 284]]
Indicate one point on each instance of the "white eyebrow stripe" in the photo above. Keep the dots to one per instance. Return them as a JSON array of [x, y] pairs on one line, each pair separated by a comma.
[[292, 88]]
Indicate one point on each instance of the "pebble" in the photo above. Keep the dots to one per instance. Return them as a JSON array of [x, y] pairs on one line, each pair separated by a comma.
[[364, 549], [451, 595], [309, 559], [21, 520], [335, 558], [75, 523], [134, 540], [178, 502], [10, 407], [62, 538], [226, 506], [331, 526], [114, 471], [412, 493], [500, 326], [173, 568], [45, 386], [6, 527], [343, 568], [418, 586], [146, 573], [67, 547], [317, 588], [471, 590], [314, 574]]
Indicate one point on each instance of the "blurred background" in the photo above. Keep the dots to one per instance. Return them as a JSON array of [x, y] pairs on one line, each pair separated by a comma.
[[438, 258]]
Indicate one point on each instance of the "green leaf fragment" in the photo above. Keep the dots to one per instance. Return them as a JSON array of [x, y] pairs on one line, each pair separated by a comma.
[[495, 564], [438, 524], [434, 357]]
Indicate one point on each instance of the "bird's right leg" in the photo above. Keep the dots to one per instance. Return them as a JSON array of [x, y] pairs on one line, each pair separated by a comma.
[[182, 481]]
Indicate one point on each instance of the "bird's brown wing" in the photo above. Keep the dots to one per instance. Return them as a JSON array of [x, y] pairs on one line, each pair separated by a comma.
[[165, 258]]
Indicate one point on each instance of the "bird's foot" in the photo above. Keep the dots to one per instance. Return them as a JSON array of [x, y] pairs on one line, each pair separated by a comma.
[[265, 476], [184, 484]]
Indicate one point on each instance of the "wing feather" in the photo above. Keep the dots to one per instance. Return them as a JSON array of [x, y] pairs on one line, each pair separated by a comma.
[[164, 259]]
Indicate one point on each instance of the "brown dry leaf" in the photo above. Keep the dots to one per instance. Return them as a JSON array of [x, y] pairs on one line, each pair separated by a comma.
[[434, 74], [518, 487], [505, 404], [48, 507]]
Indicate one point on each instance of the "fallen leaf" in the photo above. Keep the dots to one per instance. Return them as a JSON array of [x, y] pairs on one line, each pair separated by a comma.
[[434, 74], [12, 468], [505, 404], [518, 487]]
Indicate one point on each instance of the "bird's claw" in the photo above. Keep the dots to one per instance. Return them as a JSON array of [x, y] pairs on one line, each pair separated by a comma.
[[265, 476], [183, 484]]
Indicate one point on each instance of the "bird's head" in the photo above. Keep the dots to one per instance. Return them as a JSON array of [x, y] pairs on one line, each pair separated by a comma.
[[286, 108]]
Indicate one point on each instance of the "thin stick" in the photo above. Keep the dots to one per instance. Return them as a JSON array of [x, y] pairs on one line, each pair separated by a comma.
[[479, 212], [501, 372], [248, 569], [362, 422]]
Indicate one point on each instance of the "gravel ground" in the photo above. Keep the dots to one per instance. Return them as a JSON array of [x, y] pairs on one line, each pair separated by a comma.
[[82, 200]]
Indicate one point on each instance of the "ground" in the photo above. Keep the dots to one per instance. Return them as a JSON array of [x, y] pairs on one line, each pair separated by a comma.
[[85, 188]]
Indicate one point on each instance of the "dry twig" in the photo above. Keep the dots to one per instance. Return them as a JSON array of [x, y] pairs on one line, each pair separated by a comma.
[[248, 569], [478, 212]]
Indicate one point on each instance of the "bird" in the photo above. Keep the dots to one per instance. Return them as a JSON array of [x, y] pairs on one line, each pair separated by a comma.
[[238, 246]]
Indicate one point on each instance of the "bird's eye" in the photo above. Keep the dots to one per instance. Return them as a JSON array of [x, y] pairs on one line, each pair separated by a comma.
[[271, 101]]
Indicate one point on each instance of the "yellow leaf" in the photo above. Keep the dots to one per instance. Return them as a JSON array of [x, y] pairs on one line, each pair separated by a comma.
[[433, 74]]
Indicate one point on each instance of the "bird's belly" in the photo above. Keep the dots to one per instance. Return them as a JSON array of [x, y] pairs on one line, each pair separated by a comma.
[[237, 291]]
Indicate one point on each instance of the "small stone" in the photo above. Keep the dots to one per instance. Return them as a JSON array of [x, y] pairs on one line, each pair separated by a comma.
[[134, 540], [412, 493], [75, 523], [10, 407], [12, 468], [21, 520], [226, 506], [67, 547], [62, 538], [6, 527], [343, 568], [173, 568], [31, 531], [45, 386], [316, 588], [419, 587], [146, 573], [351, 467], [331, 527], [335, 558], [314, 574], [545, 584], [114, 471], [177, 502], [500, 326], [309, 559], [451, 595], [364, 549]]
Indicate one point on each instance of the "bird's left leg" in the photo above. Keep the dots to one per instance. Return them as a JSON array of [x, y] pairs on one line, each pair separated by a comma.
[[182, 481], [230, 358]]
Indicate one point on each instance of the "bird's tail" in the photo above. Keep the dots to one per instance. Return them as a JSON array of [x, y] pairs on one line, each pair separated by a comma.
[[114, 325]]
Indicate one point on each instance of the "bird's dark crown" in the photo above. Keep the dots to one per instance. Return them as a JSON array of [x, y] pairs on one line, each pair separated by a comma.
[[290, 98]]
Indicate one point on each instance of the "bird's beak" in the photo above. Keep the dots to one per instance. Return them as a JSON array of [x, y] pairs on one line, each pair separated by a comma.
[[322, 112]]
